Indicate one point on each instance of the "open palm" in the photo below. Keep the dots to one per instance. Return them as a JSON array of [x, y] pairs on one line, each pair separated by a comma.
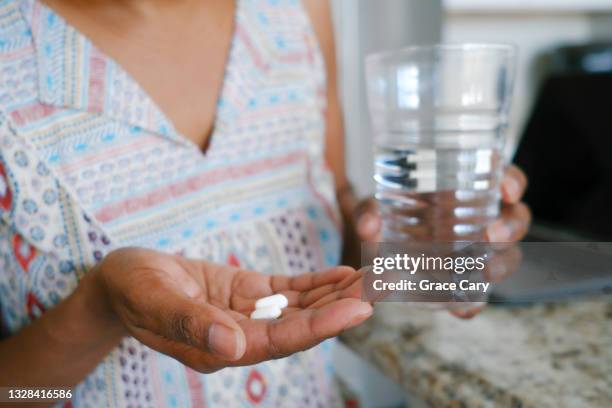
[[198, 311]]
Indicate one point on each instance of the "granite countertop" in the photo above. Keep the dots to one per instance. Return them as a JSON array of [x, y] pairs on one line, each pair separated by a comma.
[[546, 355]]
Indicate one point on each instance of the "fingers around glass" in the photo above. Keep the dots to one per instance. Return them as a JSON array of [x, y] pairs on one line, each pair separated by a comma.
[[513, 185], [466, 310], [512, 226], [503, 262], [368, 220]]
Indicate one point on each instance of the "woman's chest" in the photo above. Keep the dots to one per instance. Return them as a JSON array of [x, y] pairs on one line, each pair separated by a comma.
[[178, 57], [271, 210]]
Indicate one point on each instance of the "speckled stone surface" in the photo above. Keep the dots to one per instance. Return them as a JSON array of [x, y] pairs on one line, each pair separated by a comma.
[[553, 355]]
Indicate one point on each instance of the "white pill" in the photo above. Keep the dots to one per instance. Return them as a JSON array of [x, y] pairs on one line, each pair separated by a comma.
[[278, 300], [271, 312]]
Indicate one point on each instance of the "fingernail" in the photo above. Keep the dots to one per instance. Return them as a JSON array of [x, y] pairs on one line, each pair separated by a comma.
[[225, 343], [499, 232], [360, 314], [368, 225], [512, 187]]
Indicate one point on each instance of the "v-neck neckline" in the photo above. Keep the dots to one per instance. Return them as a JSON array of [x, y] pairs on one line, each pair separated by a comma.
[[167, 128]]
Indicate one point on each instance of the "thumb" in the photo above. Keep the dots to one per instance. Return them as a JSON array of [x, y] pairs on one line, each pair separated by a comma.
[[227, 341], [200, 325]]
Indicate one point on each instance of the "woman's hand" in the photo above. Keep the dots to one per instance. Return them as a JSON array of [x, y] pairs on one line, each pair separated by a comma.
[[512, 225], [515, 217], [197, 312]]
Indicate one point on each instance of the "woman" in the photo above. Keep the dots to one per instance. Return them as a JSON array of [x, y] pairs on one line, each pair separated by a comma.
[[195, 129]]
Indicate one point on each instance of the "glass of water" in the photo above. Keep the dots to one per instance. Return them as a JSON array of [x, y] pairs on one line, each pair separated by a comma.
[[439, 116]]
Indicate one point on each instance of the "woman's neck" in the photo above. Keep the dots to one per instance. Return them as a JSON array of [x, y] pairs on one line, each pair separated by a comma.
[[134, 8]]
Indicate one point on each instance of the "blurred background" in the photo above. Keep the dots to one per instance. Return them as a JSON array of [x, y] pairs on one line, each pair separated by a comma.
[[561, 125], [559, 120]]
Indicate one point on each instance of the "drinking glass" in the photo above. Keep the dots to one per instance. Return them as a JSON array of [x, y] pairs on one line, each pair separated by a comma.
[[439, 118]]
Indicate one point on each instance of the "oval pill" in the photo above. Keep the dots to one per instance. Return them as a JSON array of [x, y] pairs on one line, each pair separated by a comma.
[[277, 300], [271, 312]]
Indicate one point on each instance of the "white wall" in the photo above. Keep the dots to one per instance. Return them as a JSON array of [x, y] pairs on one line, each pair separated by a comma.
[[530, 6]]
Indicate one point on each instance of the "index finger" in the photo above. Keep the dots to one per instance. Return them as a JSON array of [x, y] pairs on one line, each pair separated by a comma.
[[298, 331], [292, 287], [309, 281]]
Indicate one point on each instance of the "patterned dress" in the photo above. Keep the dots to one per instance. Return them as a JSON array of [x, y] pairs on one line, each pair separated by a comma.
[[88, 163]]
